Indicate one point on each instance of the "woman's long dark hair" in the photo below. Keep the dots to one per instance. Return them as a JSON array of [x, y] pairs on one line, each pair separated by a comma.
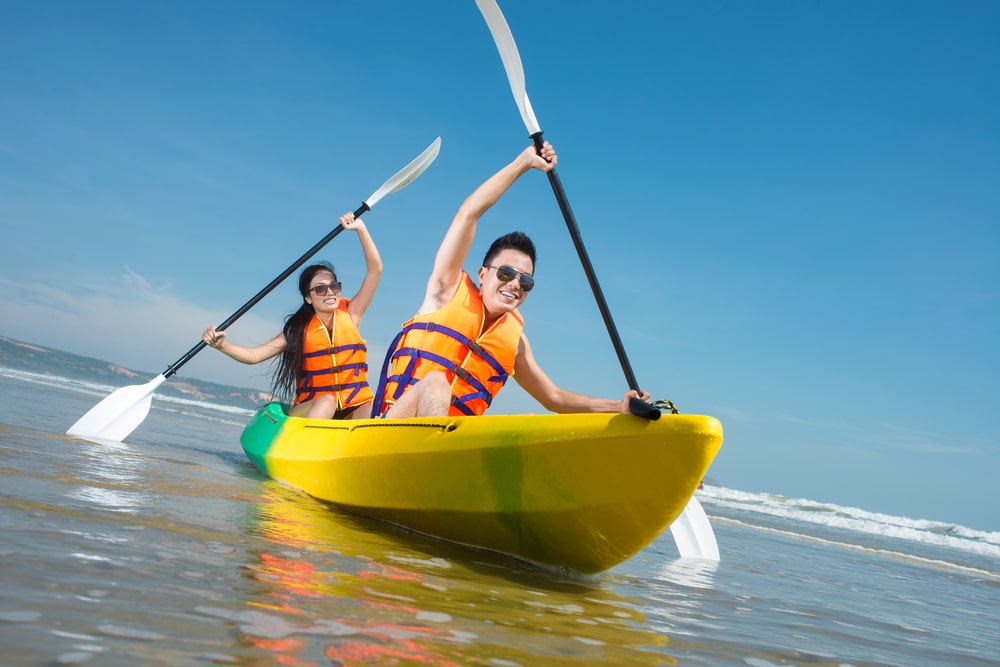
[[289, 365]]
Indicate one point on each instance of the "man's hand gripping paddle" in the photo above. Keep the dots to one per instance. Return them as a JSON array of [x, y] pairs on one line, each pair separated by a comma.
[[692, 530]]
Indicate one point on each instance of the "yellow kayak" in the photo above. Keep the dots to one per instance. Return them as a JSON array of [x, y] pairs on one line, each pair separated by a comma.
[[583, 492]]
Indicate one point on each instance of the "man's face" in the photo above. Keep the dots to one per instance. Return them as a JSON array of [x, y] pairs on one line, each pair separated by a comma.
[[502, 296]]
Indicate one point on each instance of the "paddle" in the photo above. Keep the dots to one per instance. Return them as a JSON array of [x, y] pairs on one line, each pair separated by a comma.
[[115, 417], [515, 74], [693, 534]]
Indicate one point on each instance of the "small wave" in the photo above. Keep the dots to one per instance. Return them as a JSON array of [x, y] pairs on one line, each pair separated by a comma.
[[203, 405], [913, 558], [167, 402], [923, 531], [47, 380]]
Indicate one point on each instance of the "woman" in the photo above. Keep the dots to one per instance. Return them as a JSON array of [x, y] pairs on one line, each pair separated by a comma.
[[323, 360]]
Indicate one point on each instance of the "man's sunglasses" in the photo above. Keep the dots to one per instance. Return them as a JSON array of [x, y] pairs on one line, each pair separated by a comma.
[[322, 288], [507, 273]]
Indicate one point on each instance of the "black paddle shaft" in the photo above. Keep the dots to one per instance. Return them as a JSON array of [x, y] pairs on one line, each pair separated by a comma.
[[636, 406], [174, 367]]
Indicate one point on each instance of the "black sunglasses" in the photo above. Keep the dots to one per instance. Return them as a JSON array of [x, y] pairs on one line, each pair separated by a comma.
[[322, 288], [507, 273]]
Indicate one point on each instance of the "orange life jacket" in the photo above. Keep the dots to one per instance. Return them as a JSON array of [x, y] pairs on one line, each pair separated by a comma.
[[335, 364], [477, 363]]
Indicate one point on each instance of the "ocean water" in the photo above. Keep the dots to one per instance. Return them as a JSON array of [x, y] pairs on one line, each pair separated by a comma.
[[171, 549]]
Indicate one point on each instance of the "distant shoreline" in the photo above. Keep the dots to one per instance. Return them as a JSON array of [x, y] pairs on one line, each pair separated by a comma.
[[20, 355]]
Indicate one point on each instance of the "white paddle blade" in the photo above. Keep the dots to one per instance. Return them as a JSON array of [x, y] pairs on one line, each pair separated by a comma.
[[407, 174], [693, 533], [504, 40], [119, 413]]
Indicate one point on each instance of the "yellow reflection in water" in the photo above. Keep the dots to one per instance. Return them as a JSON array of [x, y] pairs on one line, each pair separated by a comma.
[[358, 592]]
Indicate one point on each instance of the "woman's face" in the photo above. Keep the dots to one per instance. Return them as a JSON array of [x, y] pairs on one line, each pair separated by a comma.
[[324, 292]]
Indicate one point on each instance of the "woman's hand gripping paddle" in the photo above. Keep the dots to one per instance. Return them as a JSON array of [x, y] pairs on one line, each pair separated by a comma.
[[115, 417]]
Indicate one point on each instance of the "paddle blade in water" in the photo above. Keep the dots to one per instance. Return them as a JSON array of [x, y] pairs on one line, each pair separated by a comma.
[[119, 413], [693, 533]]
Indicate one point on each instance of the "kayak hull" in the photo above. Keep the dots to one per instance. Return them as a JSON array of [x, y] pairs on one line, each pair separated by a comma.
[[583, 492]]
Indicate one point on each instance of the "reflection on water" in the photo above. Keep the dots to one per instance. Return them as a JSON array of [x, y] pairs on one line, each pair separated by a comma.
[[120, 501], [108, 474], [689, 572], [342, 588], [164, 553]]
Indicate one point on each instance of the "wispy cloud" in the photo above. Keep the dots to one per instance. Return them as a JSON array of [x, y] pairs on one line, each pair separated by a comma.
[[132, 278], [129, 321], [924, 442]]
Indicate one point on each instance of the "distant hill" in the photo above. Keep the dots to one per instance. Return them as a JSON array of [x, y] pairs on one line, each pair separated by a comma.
[[18, 355]]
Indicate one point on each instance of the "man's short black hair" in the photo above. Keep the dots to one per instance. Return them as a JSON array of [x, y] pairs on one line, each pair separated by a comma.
[[513, 241]]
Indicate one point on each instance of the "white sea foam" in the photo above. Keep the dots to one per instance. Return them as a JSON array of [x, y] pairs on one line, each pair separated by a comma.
[[48, 380], [166, 402], [217, 407], [856, 520]]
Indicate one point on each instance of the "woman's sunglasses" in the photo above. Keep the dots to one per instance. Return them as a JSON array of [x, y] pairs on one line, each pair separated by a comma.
[[507, 273], [322, 288]]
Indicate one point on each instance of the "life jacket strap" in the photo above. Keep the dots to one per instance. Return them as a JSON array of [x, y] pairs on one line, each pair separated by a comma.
[[405, 379], [311, 391], [356, 347]]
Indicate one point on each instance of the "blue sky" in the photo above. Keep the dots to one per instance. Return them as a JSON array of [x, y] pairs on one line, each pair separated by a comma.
[[792, 207]]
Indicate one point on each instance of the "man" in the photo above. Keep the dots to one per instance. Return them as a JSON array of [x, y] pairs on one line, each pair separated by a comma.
[[465, 341]]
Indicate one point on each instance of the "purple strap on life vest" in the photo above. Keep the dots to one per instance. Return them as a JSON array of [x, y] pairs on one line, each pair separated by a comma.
[[312, 389], [356, 347], [404, 379]]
